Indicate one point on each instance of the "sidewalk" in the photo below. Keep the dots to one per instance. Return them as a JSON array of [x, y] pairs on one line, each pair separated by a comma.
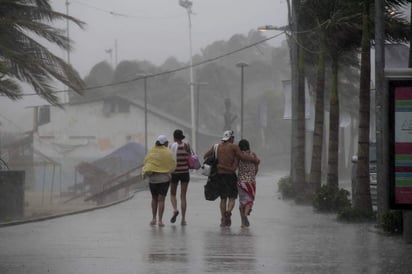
[[282, 238]]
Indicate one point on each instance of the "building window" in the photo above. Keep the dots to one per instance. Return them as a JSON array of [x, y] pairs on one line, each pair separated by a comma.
[[115, 106], [44, 115], [123, 106]]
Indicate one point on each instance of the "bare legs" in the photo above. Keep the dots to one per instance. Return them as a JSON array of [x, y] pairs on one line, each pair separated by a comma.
[[183, 191], [158, 207], [173, 199], [226, 207], [244, 212]]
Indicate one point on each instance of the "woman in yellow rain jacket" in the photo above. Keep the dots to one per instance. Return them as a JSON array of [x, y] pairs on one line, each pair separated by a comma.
[[159, 163]]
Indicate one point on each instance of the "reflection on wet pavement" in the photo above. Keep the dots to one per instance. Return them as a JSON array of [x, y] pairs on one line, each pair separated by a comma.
[[283, 238]]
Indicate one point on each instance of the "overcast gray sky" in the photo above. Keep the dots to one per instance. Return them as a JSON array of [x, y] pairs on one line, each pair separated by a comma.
[[150, 30], [154, 30]]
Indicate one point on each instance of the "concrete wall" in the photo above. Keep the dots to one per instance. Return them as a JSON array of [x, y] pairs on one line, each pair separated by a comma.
[[11, 195], [83, 132]]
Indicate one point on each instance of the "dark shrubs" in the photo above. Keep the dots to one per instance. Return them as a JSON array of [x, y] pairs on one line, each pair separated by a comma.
[[349, 214], [331, 199], [285, 188], [392, 222]]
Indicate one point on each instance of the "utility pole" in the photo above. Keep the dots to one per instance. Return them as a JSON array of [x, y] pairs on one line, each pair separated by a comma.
[[198, 85], [145, 76], [242, 66], [188, 6], [115, 53]]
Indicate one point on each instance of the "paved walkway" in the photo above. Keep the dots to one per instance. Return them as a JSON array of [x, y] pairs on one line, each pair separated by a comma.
[[282, 238]]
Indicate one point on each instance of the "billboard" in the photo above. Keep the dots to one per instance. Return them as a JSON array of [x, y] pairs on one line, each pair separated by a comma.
[[400, 142]]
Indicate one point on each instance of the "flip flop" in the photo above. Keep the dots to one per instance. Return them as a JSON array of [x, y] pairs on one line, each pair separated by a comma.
[[247, 224], [173, 220]]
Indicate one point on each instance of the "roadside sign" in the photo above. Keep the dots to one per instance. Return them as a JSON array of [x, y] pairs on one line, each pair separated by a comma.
[[400, 138]]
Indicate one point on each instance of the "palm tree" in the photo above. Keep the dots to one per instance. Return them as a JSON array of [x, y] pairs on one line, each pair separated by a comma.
[[297, 168], [27, 60], [328, 23], [396, 29]]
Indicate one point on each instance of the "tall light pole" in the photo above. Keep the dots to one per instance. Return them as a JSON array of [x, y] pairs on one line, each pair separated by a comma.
[[297, 159], [145, 76], [188, 6], [198, 85], [242, 66]]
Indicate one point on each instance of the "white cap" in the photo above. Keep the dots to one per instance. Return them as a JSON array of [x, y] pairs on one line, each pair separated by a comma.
[[227, 135], [162, 139]]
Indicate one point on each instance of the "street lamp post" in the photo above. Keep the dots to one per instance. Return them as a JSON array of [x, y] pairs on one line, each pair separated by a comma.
[[242, 66], [145, 76], [198, 85], [145, 111], [297, 163], [188, 6]]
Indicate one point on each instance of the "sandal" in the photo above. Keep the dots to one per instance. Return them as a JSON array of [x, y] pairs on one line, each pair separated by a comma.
[[228, 221], [183, 223], [173, 220], [153, 222]]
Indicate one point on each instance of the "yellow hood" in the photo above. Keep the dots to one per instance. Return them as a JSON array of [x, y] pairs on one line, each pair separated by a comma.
[[159, 159]]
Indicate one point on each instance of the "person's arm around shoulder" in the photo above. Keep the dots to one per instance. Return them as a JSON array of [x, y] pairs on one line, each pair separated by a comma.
[[256, 164], [245, 156]]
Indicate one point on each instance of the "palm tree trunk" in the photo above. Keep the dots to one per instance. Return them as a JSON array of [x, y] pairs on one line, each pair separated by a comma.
[[333, 172], [362, 198], [297, 168], [300, 183], [315, 179]]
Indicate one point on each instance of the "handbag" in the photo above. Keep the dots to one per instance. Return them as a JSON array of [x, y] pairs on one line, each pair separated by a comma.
[[211, 188], [209, 166], [193, 160]]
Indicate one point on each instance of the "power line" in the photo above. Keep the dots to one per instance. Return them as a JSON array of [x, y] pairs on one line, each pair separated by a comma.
[[124, 15], [168, 71]]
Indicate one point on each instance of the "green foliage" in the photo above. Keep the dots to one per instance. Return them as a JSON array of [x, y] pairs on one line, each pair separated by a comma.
[[349, 214], [23, 26], [392, 222], [285, 187], [331, 199]]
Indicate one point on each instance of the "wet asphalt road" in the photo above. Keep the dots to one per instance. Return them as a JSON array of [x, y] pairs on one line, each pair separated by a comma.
[[282, 238]]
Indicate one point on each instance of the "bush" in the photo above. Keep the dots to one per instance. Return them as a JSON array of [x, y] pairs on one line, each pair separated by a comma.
[[392, 222], [351, 215], [331, 199], [285, 188]]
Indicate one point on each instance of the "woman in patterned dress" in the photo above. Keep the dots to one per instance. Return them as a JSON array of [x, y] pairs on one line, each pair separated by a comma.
[[246, 183]]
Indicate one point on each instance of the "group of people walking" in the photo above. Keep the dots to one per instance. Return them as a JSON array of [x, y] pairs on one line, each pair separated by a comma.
[[167, 165]]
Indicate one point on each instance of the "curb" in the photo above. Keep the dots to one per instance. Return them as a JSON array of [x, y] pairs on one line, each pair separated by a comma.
[[54, 216]]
